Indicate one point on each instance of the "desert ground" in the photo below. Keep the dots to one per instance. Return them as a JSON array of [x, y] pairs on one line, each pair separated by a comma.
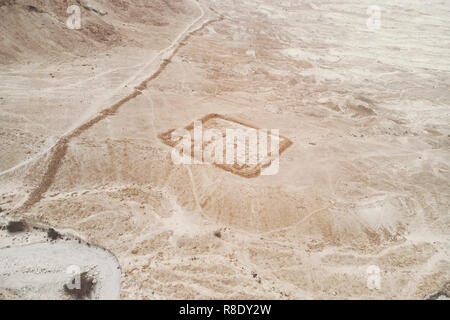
[[363, 185]]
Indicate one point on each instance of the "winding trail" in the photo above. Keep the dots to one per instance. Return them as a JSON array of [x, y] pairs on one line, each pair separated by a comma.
[[175, 44], [62, 144]]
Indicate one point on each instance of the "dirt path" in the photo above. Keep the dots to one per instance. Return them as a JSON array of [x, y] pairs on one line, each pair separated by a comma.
[[60, 147], [173, 46]]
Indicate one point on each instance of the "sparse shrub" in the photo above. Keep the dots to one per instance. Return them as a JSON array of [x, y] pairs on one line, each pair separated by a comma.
[[218, 234], [16, 226], [53, 234]]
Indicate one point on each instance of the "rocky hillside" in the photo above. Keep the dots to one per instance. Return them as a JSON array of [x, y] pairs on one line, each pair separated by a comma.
[[36, 29]]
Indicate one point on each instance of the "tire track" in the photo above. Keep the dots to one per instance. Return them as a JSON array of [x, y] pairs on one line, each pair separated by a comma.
[[61, 147]]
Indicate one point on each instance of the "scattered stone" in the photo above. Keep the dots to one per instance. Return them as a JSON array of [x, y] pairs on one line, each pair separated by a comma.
[[34, 9], [443, 294], [90, 7]]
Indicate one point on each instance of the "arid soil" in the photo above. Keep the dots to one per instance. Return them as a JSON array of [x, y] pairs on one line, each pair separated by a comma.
[[364, 183]]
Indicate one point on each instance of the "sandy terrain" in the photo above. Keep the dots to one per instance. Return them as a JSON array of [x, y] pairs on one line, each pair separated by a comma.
[[364, 183]]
